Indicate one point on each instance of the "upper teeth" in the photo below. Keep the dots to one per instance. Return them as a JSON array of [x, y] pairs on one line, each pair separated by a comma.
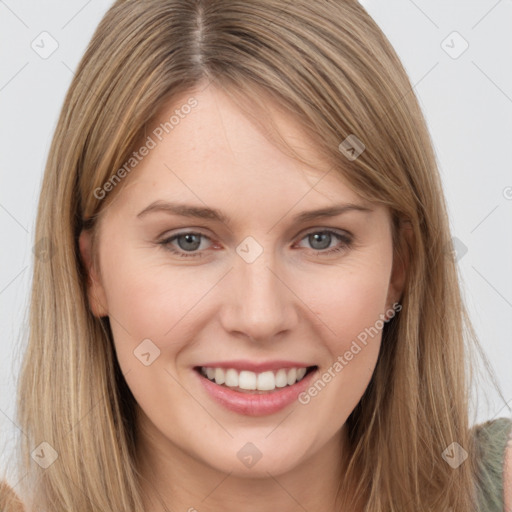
[[265, 381]]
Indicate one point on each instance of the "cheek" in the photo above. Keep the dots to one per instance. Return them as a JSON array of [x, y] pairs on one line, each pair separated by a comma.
[[350, 300], [144, 291], [350, 305], [147, 300], [351, 311]]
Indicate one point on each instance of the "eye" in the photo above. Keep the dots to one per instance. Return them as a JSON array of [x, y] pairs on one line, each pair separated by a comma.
[[186, 242], [322, 240]]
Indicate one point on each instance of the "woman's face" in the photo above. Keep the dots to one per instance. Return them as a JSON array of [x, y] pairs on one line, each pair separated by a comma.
[[262, 290]]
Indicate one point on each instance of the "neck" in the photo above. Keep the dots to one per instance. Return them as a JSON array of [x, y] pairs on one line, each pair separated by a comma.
[[175, 480]]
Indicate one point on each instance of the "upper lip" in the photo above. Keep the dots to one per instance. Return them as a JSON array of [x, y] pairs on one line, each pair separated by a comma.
[[255, 366]]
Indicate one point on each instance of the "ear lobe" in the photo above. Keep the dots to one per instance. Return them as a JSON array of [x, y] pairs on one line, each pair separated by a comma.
[[95, 291]]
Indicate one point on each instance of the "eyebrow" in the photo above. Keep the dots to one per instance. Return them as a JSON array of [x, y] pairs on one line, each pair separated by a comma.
[[200, 212]]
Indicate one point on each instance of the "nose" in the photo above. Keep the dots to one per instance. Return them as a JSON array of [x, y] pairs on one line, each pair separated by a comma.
[[259, 301]]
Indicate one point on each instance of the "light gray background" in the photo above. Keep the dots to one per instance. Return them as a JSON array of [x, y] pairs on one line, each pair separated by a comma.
[[467, 102]]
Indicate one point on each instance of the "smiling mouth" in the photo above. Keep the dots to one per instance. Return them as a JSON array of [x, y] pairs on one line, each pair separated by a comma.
[[245, 381]]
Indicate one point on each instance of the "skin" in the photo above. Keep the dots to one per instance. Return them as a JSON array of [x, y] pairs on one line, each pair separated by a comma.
[[290, 303]]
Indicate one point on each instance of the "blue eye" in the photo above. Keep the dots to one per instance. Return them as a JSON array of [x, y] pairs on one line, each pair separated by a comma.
[[188, 243], [321, 240]]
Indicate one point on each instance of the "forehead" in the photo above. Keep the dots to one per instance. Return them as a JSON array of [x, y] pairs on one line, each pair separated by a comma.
[[215, 155], [214, 144]]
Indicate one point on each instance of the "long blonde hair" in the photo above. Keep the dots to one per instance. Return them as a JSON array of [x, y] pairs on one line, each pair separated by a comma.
[[329, 64]]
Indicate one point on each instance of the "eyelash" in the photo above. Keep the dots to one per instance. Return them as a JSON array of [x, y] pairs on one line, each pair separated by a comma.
[[345, 239]]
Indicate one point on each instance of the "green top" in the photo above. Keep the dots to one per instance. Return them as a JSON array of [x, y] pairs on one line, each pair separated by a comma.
[[491, 442]]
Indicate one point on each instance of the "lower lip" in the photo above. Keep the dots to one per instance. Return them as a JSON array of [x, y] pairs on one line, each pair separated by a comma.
[[254, 404]]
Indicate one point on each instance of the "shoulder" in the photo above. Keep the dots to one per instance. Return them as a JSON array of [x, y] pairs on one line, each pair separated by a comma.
[[9, 501], [493, 444], [507, 474]]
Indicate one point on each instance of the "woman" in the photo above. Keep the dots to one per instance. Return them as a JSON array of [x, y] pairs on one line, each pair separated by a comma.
[[250, 299]]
